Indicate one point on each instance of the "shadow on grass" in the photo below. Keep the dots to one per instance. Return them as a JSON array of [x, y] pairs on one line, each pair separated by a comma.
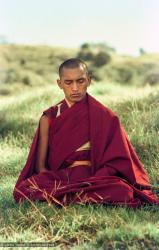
[[15, 126]]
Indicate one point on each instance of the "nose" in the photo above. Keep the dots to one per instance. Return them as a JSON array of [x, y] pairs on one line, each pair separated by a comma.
[[74, 87]]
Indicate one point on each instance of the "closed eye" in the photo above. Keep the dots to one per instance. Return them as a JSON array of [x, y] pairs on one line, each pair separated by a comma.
[[81, 80], [68, 82]]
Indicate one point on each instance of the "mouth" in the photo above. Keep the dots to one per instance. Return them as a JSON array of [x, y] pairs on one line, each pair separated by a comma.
[[75, 95]]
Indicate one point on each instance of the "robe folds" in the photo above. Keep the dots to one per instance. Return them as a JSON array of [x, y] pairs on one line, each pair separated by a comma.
[[115, 177]]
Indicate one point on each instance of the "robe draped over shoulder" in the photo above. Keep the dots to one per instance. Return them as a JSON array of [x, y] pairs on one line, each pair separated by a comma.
[[115, 174]]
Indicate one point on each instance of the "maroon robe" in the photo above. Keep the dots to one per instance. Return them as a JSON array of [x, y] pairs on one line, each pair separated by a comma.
[[116, 176]]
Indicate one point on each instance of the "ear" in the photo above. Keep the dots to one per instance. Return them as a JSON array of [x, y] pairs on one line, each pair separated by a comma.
[[89, 80], [59, 83]]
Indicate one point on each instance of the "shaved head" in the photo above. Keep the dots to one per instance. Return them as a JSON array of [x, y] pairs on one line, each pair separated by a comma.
[[72, 63]]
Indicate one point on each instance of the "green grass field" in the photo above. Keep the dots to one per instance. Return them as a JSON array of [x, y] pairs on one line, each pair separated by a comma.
[[78, 227]]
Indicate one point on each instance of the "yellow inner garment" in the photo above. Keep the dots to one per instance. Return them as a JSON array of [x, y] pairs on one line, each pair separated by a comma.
[[85, 146], [86, 163]]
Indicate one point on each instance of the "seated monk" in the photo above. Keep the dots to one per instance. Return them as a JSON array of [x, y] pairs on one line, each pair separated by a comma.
[[80, 152]]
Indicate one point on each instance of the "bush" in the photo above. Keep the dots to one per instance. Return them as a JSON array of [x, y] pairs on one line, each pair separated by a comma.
[[124, 74], [4, 91], [152, 79], [121, 73], [30, 78], [101, 58], [151, 76], [85, 55], [11, 75], [95, 74], [97, 54]]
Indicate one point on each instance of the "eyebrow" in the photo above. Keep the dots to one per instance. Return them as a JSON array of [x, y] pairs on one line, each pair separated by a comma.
[[80, 78]]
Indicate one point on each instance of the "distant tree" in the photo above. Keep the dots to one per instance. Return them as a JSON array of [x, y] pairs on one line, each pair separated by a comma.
[[142, 51], [85, 46]]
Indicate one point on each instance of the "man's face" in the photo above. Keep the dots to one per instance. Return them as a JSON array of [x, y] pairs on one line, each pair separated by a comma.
[[74, 83]]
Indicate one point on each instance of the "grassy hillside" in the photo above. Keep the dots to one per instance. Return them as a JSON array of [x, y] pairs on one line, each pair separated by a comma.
[[78, 227], [38, 65], [23, 66]]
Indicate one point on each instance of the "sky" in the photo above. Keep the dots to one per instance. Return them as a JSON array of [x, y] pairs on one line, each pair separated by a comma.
[[126, 25]]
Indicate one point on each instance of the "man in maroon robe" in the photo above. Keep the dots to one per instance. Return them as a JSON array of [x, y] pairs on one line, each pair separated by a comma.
[[80, 152]]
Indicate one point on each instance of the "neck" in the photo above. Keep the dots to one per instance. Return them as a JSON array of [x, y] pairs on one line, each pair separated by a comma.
[[68, 103]]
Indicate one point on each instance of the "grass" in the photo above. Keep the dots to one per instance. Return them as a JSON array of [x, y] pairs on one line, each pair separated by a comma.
[[78, 227]]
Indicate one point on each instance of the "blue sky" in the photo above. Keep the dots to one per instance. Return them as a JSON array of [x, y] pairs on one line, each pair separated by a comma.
[[126, 25]]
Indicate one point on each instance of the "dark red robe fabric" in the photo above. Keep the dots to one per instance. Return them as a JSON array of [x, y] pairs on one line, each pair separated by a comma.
[[116, 175]]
